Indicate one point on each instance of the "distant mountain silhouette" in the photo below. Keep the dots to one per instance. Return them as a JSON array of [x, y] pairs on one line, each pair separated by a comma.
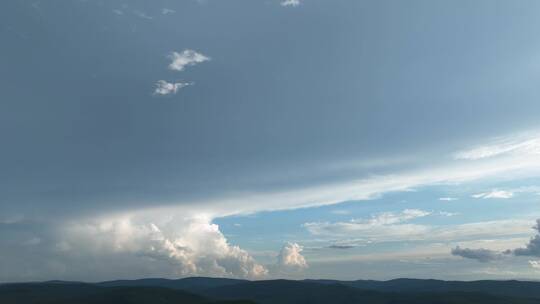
[[193, 284], [218, 290], [77, 293], [288, 292], [506, 288]]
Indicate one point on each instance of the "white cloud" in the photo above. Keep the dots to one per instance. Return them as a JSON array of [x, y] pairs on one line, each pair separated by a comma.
[[186, 58], [290, 3], [502, 194], [448, 214], [535, 264], [290, 257], [448, 199], [192, 245], [165, 88], [524, 143]]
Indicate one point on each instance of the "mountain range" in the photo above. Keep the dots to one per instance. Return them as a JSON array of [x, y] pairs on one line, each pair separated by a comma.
[[201, 290]]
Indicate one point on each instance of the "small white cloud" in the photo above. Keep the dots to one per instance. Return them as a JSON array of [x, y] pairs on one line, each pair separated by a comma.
[[290, 257], [340, 212], [186, 58], [448, 214], [142, 15], [118, 12], [290, 3], [501, 194], [167, 11], [448, 199], [165, 88]]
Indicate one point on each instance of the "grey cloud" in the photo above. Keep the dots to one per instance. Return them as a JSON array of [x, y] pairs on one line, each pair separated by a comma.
[[341, 246], [485, 255], [533, 247], [481, 255]]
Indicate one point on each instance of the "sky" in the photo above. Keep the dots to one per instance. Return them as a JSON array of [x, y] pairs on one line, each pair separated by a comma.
[[262, 139]]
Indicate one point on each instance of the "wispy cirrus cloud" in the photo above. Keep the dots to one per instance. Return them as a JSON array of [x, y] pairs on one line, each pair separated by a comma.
[[501, 194], [387, 225], [524, 143], [379, 229]]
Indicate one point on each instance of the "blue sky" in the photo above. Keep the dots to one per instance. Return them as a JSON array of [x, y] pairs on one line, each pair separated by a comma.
[[269, 139]]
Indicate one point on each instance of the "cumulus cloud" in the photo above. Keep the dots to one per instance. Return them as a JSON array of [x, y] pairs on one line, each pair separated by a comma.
[[292, 3], [290, 257], [481, 255], [501, 194], [191, 246], [165, 88], [186, 58]]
